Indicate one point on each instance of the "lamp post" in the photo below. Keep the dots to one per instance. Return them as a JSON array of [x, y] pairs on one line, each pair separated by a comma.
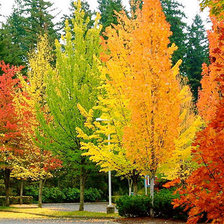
[[110, 207]]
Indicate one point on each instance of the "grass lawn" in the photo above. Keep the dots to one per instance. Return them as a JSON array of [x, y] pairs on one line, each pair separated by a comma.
[[10, 215], [27, 213]]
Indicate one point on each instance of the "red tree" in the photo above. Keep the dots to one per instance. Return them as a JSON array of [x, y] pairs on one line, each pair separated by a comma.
[[203, 193], [9, 132]]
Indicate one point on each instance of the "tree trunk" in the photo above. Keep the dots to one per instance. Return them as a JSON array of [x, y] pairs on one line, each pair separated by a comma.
[[7, 186], [21, 193], [134, 178], [135, 185], [82, 189], [130, 183], [146, 186], [152, 180], [40, 193]]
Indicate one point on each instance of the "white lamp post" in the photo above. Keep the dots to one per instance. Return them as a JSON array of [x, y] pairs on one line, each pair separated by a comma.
[[110, 207]]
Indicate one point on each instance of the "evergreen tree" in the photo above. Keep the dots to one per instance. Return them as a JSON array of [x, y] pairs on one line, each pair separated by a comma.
[[12, 34], [38, 19], [107, 10], [19, 35], [174, 16], [196, 55]]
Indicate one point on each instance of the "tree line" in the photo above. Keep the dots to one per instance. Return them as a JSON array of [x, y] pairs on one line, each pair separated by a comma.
[[139, 71], [29, 19]]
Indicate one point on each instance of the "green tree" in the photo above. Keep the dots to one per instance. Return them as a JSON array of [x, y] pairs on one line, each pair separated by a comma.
[[12, 34], [38, 19], [174, 12], [19, 35], [74, 80], [107, 10], [196, 55]]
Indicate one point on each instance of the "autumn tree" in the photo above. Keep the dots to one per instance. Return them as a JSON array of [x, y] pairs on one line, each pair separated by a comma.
[[153, 89], [37, 163], [209, 96], [216, 7], [74, 80], [10, 135], [203, 192]]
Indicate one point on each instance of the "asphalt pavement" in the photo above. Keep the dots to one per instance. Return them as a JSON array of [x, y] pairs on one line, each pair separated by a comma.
[[90, 207]]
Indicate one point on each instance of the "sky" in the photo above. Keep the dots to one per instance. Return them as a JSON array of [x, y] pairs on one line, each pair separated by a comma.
[[191, 8]]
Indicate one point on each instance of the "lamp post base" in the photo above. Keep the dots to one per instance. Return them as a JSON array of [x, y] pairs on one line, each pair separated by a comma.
[[110, 209]]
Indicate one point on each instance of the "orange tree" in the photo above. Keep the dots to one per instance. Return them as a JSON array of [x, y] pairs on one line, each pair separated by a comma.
[[149, 138], [203, 192], [140, 72], [209, 96]]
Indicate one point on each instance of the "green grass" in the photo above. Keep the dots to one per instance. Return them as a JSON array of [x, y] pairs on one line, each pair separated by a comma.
[[43, 212]]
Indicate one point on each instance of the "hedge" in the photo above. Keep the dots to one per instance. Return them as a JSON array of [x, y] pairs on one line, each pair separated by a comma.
[[134, 206], [139, 206], [56, 195]]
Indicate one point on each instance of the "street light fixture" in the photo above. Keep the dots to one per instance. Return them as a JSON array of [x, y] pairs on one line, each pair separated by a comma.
[[110, 207]]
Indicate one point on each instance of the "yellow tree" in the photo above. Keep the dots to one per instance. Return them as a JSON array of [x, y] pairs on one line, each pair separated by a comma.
[[36, 163], [109, 154]]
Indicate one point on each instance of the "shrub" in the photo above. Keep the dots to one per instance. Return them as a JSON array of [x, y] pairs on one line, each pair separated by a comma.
[[32, 191], [134, 206], [163, 207], [93, 194], [71, 194], [53, 194], [139, 206]]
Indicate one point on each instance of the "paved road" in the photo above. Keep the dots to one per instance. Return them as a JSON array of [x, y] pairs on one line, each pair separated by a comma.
[[94, 207], [91, 207]]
